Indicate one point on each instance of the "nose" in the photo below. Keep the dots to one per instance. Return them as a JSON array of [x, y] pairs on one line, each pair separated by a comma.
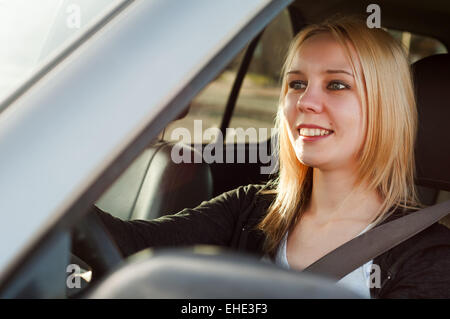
[[311, 100]]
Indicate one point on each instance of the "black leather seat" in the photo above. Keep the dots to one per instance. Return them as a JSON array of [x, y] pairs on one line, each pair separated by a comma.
[[154, 185], [432, 82]]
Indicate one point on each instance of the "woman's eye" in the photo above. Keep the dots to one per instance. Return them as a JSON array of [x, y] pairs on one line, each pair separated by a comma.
[[297, 85], [336, 86]]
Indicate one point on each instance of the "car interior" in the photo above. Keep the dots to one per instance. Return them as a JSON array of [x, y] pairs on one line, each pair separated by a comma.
[[161, 187], [154, 185], [245, 95]]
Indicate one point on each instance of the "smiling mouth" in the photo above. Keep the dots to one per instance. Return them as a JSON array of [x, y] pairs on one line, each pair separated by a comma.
[[313, 132]]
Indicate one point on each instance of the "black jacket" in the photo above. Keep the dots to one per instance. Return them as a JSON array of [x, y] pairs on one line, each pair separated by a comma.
[[417, 268]]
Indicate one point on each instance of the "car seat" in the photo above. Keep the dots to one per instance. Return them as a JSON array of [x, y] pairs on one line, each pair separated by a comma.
[[153, 185], [433, 140]]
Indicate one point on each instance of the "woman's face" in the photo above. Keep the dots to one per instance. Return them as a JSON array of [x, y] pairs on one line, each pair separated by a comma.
[[322, 106]]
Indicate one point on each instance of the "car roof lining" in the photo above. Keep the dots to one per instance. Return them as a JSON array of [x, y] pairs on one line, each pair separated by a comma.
[[428, 18]]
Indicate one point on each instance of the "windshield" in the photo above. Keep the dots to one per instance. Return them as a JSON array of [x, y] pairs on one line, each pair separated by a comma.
[[32, 31]]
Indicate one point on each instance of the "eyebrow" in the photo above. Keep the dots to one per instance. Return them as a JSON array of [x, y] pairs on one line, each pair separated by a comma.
[[327, 71]]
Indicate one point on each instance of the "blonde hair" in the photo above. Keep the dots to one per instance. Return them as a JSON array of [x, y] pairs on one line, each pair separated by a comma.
[[386, 159]]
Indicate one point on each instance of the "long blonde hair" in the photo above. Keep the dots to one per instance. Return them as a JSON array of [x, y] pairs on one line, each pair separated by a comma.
[[386, 160]]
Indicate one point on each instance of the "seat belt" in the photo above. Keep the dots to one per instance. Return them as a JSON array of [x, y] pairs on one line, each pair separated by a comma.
[[376, 241]]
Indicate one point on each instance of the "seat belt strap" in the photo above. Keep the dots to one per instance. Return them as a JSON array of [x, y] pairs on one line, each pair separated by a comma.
[[376, 241]]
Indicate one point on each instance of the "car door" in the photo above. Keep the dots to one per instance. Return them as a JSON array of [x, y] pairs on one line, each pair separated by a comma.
[[82, 118]]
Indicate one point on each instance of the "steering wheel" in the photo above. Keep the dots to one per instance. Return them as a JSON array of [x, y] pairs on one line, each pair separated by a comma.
[[93, 246], [193, 272]]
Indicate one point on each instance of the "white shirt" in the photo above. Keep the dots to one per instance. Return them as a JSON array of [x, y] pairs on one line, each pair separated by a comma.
[[357, 280]]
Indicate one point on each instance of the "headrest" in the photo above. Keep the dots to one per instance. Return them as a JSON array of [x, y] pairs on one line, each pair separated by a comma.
[[432, 82]]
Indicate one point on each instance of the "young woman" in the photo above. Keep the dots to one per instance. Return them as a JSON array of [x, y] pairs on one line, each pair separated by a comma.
[[347, 123]]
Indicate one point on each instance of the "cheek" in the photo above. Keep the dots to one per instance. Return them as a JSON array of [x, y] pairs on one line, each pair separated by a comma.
[[356, 117], [290, 107], [350, 119]]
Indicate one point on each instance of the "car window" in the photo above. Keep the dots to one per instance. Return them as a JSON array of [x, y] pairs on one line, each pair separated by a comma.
[[257, 103], [418, 46], [207, 108], [34, 30], [205, 111]]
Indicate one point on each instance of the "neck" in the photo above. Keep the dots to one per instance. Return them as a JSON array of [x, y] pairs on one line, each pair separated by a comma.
[[334, 197]]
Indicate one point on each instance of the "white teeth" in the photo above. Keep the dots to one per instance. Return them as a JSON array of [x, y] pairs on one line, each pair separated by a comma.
[[314, 132]]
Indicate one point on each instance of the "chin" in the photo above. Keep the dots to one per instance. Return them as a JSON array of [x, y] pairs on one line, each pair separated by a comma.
[[308, 161]]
